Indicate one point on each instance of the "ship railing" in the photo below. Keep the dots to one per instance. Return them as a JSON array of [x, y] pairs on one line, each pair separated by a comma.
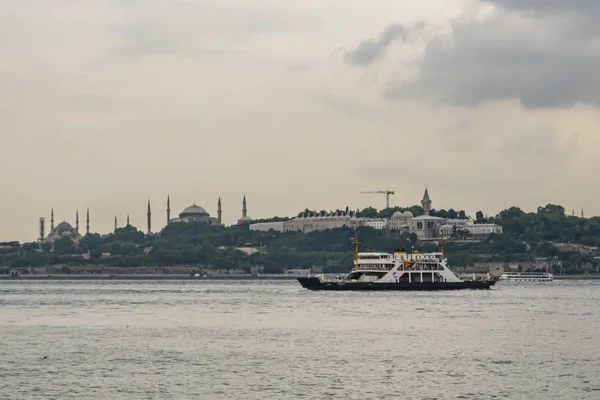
[[422, 268], [375, 268]]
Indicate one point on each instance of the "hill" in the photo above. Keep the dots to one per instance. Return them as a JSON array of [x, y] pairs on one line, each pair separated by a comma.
[[546, 233]]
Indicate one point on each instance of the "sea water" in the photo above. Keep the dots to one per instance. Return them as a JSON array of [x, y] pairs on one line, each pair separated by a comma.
[[275, 340]]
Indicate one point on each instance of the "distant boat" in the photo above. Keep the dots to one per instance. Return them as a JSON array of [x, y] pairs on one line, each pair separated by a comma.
[[528, 276], [398, 271]]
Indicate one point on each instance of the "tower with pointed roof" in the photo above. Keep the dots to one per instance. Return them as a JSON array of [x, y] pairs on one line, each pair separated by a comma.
[[219, 212], [52, 219], [77, 222], [149, 219], [42, 232], [426, 202], [115, 223], [245, 218], [87, 222], [127, 219], [168, 210], [244, 209]]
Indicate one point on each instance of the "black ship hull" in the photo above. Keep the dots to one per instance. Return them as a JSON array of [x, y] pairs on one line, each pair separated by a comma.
[[315, 284]]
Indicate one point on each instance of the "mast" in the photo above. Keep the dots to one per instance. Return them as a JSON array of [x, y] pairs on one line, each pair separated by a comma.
[[355, 242]]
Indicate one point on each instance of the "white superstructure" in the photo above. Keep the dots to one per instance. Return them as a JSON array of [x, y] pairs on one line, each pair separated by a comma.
[[402, 267], [528, 276]]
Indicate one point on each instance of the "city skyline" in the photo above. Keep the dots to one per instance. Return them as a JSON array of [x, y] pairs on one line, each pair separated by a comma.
[[152, 219], [107, 104]]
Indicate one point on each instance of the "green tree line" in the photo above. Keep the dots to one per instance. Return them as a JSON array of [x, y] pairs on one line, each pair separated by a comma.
[[526, 236]]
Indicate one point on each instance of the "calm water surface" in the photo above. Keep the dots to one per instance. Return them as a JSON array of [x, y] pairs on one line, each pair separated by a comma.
[[274, 340]]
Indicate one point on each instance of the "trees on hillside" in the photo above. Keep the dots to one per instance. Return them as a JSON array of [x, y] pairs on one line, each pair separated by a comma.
[[527, 235]]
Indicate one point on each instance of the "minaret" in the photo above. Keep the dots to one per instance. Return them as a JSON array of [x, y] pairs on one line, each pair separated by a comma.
[[128, 219], [582, 213], [77, 222], [219, 213], [42, 233], [87, 222], [52, 219], [244, 210], [426, 202], [168, 210], [149, 219], [115, 223]]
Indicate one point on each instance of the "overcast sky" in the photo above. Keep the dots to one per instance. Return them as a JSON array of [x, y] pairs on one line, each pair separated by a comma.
[[297, 103]]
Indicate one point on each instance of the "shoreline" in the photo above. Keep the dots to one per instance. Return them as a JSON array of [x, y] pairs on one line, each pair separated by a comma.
[[186, 277], [575, 277], [141, 277]]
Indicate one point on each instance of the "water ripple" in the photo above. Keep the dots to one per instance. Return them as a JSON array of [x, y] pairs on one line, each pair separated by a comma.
[[262, 340]]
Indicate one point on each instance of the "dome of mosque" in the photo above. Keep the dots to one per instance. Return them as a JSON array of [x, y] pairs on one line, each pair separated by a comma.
[[194, 211], [402, 215], [64, 226], [397, 215]]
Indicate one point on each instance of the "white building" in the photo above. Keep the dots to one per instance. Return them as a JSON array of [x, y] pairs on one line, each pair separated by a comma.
[[476, 231], [377, 223], [267, 226]]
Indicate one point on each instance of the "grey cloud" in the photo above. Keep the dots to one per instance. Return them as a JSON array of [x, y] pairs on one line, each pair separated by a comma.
[[370, 50], [545, 54], [493, 60], [580, 15], [548, 6]]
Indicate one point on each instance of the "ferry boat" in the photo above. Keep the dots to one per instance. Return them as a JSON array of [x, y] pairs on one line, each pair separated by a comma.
[[528, 276], [398, 271]]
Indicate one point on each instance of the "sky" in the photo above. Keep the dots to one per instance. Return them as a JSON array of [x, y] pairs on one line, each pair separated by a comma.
[[300, 103]]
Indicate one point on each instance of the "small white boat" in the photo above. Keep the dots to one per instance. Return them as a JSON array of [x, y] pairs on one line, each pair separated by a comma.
[[528, 276]]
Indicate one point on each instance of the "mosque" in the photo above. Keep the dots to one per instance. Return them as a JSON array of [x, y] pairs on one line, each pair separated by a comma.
[[63, 229], [193, 213]]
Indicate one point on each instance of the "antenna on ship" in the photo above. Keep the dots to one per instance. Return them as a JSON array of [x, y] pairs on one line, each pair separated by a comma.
[[355, 242], [442, 246]]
